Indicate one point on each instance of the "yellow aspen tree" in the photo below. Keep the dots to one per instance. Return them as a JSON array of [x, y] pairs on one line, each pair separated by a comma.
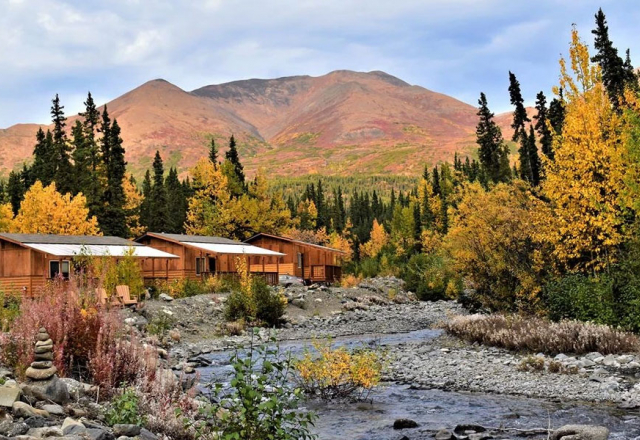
[[6, 217], [133, 200], [583, 220], [46, 211], [379, 239], [205, 215]]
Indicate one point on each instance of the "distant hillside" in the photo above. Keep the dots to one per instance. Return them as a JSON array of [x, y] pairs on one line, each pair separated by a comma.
[[337, 124]]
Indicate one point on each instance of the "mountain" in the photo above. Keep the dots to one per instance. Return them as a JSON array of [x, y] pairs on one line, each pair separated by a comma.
[[340, 123]]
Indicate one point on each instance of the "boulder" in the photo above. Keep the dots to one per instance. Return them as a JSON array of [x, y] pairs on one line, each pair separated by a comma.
[[79, 389], [21, 409], [581, 432], [126, 430], [36, 421], [45, 431], [444, 434], [72, 427], [54, 409], [467, 429], [9, 394], [10, 429], [145, 434], [404, 424], [52, 389], [165, 297]]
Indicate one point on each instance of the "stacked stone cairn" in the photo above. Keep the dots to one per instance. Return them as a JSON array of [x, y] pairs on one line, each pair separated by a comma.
[[42, 367]]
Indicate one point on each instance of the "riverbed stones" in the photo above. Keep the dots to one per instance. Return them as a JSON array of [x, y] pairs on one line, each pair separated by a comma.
[[581, 432], [126, 430], [444, 434], [24, 410], [405, 424], [9, 394], [42, 368]]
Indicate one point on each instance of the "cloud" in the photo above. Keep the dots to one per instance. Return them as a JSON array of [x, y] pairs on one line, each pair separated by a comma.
[[458, 47]]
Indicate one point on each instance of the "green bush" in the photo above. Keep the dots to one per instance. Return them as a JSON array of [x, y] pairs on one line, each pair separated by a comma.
[[238, 306], [369, 267], [270, 304], [430, 277], [160, 324], [260, 404], [583, 298], [124, 409]]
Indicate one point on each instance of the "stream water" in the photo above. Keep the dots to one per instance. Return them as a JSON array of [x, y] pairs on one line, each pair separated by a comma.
[[436, 409]]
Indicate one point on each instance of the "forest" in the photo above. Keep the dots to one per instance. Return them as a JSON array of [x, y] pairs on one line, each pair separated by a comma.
[[551, 230]]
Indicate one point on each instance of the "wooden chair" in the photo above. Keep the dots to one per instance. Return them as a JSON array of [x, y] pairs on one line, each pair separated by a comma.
[[125, 296], [104, 298]]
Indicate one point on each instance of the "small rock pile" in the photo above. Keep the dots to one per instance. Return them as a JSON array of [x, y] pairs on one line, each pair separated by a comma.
[[42, 367]]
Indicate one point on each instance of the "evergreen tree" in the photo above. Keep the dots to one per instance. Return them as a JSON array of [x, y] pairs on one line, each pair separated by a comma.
[[213, 153], [542, 126], [158, 201], [525, 169], [520, 113], [236, 167], [534, 158], [146, 200], [321, 207], [613, 71], [176, 203], [556, 113], [630, 75], [113, 220], [15, 191], [43, 168], [417, 222], [61, 149], [435, 182], [494, 156], [88, 161]]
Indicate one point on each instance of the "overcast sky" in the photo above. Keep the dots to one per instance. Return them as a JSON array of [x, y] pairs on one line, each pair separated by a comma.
[[457, 47]]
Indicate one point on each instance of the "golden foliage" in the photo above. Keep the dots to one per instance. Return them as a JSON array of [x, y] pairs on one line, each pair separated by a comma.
[[6, 217], [133, 200], [46, 211], [584, 220], [338, 372], [490, 242], [378, 240]]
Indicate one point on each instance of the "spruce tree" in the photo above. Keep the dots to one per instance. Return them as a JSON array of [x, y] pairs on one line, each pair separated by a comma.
[[233, 158], [88, 169], [542, 126], [556, 113], [613, 72], [630, 75], [176, 203], [158, 200], [43, 168], [15, 191], [520, 113], [114, 216], [427, 214], [494, 155], [321, 207], [525, 169], [534, 158], [146, 200], [213, 153], [435, 182], [61, 149]]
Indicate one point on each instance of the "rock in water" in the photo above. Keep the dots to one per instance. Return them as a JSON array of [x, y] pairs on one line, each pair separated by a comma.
[[404, 424], [581, 432]]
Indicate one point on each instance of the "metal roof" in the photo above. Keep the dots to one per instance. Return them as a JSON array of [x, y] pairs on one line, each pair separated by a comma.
[[183, 238], [68, 239], [292, 240], [98, 250], [235, 248]]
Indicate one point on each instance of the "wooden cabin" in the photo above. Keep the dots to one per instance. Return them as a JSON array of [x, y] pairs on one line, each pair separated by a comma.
[[27, 261], [311, 262], [202, 256]]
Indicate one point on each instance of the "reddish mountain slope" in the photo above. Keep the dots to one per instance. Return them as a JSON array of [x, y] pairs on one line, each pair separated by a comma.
[[339, 123]]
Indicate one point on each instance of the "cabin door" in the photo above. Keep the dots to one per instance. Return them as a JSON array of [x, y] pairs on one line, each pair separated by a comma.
[[212, 265]]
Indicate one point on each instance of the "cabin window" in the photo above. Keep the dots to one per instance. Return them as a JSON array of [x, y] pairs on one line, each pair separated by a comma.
[[61, 268], [299, 260], [212, 265], [199, 265]]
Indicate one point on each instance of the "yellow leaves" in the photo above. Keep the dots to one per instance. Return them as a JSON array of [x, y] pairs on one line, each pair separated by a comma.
[[133, 200], [46, 211], [338, 372], [376, 243], [6, 217], [584, 217]]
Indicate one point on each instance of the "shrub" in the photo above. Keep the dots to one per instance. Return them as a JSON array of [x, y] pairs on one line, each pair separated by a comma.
[[160, 325], [254, 301], [350, 280], [9, 310], [583, 298], [88, 338], [337, 372], [124, 409], [431, 277], [270, 303], [531, 363], [541, 335], [369, 267], [260, 404]]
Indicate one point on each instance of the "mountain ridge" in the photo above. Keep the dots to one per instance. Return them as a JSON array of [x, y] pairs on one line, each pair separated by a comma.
[[339, 123]]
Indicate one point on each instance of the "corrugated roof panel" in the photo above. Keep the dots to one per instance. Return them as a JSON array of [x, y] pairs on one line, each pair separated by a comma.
[[69, 239], [238, 249], [70, 250], [183, 238]]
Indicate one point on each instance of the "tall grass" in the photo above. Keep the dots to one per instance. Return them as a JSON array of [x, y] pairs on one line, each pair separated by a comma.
[[541, 335]]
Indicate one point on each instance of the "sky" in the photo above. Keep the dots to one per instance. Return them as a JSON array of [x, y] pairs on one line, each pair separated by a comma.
[[456, 47]]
